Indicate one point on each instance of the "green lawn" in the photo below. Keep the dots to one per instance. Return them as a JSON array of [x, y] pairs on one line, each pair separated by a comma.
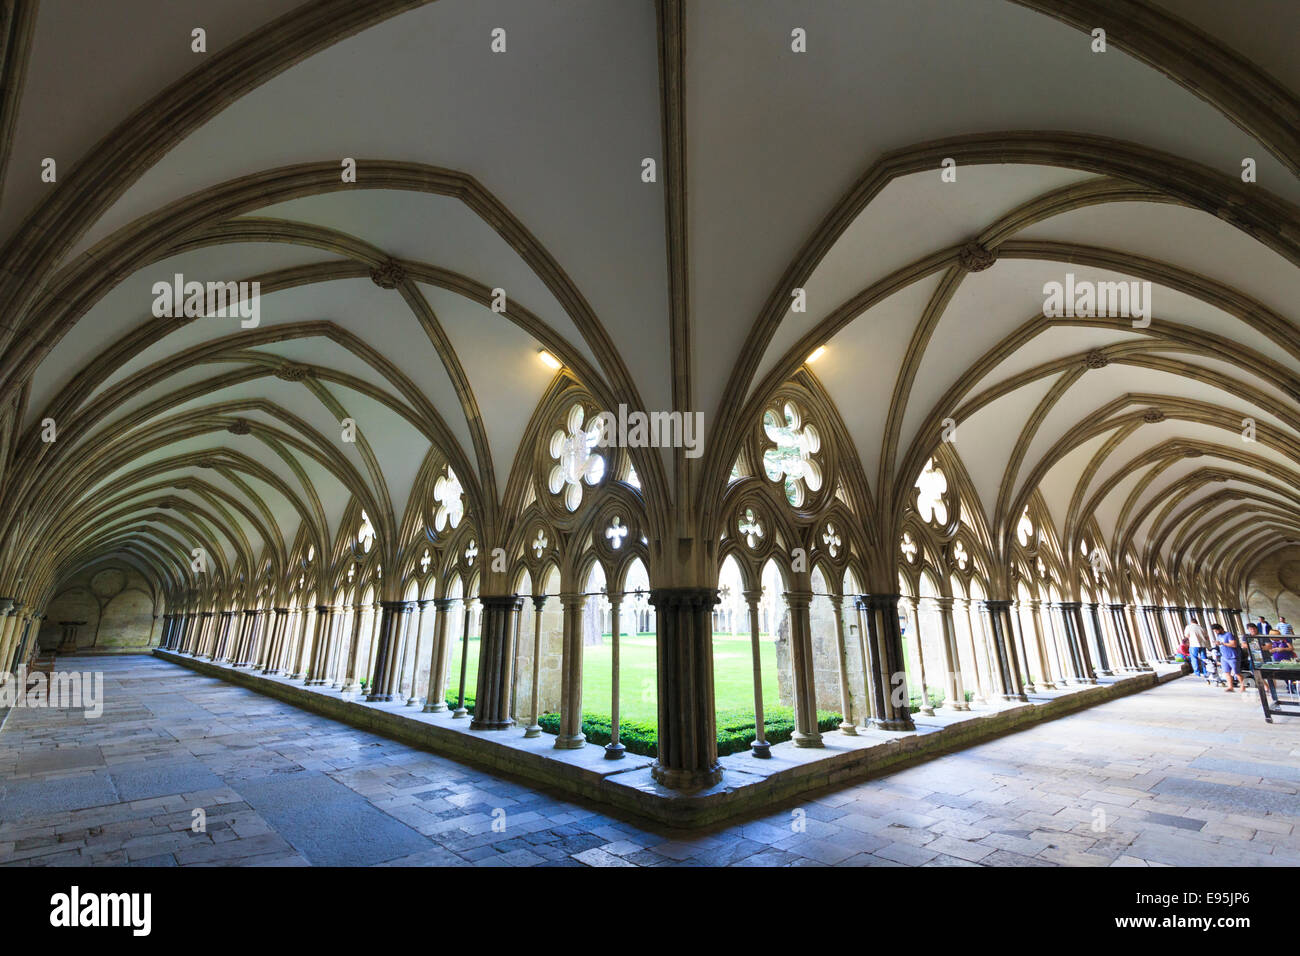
[[733, 675]]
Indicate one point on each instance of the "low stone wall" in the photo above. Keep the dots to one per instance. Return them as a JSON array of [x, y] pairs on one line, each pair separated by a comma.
[[748, 784]]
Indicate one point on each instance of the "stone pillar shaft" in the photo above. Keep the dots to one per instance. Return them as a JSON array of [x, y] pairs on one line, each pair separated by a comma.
[[688, 743]]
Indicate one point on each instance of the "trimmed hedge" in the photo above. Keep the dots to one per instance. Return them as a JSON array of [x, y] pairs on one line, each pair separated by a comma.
[[735, 729]]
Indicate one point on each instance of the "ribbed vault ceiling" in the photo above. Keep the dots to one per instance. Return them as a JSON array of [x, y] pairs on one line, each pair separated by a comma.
[[522, 171]]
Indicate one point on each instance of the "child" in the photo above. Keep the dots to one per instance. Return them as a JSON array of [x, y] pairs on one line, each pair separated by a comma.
[[1184, 651]]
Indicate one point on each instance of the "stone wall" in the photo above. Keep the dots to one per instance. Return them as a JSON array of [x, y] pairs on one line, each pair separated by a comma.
[[117, 604]]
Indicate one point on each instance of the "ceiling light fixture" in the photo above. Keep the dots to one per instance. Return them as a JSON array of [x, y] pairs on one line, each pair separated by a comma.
[[549, 360], [817, 353]]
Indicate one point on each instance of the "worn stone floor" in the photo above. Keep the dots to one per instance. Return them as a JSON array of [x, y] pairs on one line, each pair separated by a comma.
[[1178, 775]]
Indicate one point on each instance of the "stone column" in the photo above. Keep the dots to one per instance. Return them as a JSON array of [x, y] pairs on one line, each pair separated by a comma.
[[297, 670], [846, 698], [495, 648], [1005, 680], [1071, 625], [614, 750], [872, 670], [954, 692], [461, 710], [1022, 655], [394, 615], [1092, 624], [981, 690], [8, 627], [23, 638], [436, 700], [759, 747], [411, 701], [571, 736], [319, 643], [350, 679], [805, 733], [516, 625], [912, 607], [275, 646], [534, 729], [1048, 681], [896, 712], [688, 742]]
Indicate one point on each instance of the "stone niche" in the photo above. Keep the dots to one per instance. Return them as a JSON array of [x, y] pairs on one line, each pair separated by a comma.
[[117, 604], [1274, 587]]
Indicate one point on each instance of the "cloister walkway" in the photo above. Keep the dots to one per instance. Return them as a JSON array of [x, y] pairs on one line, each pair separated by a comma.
[[1181, 774]]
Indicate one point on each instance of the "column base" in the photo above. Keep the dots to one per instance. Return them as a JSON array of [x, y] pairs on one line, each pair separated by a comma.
[[318, 682], [1047, 685], [378, 698], [1030, 689], [503, 724], [532, 730], [614, 751], [351, 687], [1104, 673], [899, 725], [571, 742], [1017, 698], [800, 739], [762, 749], [414, 702], [958, 708], [848, 728], [927, 710], [460, 712], [686, 779], [437, 707]]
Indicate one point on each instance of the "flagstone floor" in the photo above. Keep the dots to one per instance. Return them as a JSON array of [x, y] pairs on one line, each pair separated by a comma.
[[1182, 774]]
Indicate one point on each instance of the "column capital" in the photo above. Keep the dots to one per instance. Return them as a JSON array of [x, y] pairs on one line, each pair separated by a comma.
[[499, 600], [752, 596], [797, 599], [1070, 605], [281, 610], [539, 601], [323, 608], [941, 601], [998, 604], [683, 597], [882, 601], [443, 603], [401, 607]]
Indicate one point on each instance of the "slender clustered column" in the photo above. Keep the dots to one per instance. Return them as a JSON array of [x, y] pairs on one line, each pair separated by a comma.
[[571, 736], [534, 729], [806, 732], [460, 710], [614, 749], [759, 747], [419, 646], [846, 698], [436, 700], [914, 625], [954, 692]]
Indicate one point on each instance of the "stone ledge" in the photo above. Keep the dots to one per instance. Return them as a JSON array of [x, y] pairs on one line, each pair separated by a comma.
[[748, 784]]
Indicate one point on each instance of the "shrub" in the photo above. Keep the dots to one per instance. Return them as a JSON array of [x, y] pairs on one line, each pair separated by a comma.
[[735, 729]]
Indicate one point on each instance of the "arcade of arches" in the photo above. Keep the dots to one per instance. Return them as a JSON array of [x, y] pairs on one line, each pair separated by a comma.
[[410, 466]]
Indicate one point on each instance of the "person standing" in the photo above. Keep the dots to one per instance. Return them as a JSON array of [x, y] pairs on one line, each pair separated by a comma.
[[1284, 627], [1229, 648], [1262, 626], [1199, 643]]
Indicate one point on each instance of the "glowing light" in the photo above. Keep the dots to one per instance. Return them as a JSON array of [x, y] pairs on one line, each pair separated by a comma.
[[549, 360], [817, 353]]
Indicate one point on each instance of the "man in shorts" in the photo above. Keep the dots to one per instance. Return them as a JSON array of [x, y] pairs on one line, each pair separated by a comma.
[[1229, 647]]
